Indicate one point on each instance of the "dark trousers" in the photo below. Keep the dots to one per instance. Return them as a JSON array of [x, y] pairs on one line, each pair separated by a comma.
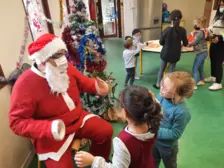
[[164, 68], [167, 154], [217, 58], [130, 75]]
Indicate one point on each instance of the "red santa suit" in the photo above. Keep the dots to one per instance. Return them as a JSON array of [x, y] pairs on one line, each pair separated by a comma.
[[37, 113]]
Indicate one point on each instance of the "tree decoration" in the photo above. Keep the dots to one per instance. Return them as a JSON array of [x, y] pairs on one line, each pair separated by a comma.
[[86, 52]]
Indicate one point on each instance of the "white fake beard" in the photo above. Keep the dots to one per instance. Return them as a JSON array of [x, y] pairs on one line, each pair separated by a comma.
[[57, 78]]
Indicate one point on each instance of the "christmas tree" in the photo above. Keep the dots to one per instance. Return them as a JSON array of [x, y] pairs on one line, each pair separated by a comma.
[[86, 52]]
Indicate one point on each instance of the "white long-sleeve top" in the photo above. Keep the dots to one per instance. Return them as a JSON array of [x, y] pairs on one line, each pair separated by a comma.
[[217, 27], [129, 56], [121, 157]]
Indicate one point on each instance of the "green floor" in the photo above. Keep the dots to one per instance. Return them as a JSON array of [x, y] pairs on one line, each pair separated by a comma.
[[202, 145]]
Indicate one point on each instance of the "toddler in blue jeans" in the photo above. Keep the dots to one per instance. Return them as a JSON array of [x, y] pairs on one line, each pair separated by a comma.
[[200, 47]]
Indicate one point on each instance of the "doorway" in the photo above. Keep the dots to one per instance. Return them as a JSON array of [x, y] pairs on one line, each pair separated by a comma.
[[109, 18]]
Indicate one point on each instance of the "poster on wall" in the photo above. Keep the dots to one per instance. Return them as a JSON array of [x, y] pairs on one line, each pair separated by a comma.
[[38, 25]]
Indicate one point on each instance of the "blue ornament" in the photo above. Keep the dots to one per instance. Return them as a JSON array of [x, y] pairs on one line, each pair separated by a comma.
[[166, 16], [81, 49], [82, 27]]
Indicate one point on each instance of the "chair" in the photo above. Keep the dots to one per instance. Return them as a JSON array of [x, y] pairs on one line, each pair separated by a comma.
[[75, 146]]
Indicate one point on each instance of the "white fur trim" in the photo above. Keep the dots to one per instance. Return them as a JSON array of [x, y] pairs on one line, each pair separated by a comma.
[[87, 118], [57, 155], [36, 71], [97, 88], [51, 48], [54, 129], [69, 102]]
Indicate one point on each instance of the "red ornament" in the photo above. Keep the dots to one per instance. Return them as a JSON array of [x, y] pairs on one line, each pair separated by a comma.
[[74, 10], [73, 55]]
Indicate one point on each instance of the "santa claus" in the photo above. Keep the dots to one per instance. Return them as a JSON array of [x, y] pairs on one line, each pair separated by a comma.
[[46, 106]]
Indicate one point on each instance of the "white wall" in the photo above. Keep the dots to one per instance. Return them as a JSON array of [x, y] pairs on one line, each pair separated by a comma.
[[130, 16], [13, 149], [190, 9]]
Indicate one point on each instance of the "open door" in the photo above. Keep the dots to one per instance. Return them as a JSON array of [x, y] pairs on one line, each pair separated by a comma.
[[109, 18]]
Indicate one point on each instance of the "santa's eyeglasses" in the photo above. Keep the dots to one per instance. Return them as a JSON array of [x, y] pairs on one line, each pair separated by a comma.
[[58, 55]]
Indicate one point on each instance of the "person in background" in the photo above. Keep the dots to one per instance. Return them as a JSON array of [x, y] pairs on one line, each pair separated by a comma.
[[133, 146], [175, 87], [129, 55], [171, 41], [136, 36], [217, 48], [166, 13], [200, 48]]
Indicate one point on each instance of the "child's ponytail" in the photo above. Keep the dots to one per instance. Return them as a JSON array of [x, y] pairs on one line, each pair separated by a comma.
[[176, 17], [141, 106], [152, 114]]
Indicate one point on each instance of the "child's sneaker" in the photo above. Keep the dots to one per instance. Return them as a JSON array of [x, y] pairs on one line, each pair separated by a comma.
[[210, 79], [200, 83], [137, 77]]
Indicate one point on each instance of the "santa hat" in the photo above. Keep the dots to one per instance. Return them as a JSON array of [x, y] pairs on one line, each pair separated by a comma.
[[44, 47]]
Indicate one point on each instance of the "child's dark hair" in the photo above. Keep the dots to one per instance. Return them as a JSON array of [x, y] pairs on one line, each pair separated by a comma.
[[136, 31], [218, 14], [127, 37], [128, 43], [176, 17], [141, 106]]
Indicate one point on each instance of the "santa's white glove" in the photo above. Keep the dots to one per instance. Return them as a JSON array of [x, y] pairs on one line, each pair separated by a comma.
[[58, 130]]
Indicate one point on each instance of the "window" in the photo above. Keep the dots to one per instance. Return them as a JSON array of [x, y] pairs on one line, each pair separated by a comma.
[[37, 9]]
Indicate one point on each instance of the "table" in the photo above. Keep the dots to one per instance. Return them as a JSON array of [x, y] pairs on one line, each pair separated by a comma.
[[158, 49]]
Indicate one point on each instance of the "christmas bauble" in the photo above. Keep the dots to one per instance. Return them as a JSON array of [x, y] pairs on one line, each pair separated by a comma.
[[74, 10]]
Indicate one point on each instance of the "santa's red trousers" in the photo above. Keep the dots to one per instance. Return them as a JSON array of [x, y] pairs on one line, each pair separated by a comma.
[[99, 132]]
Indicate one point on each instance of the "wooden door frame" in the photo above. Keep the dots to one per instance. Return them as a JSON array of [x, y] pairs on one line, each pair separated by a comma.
[[119, 19], [48, 15], [68, 6]]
